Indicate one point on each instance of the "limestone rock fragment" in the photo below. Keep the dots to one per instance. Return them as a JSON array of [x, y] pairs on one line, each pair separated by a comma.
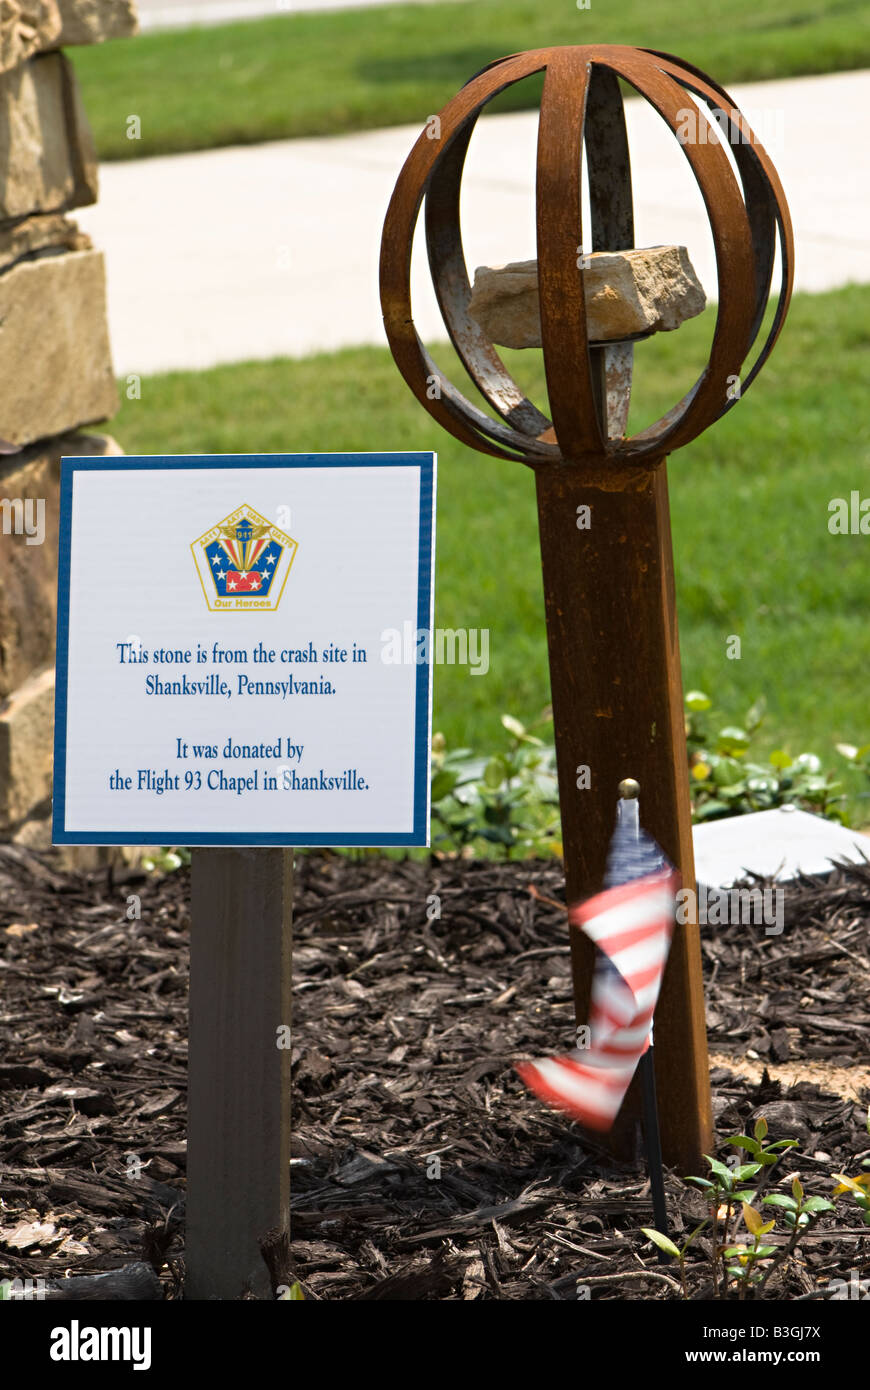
[[94, 21], [47, 154], [43, 235], [627, 293], [26, 27], [26, 735], [55, 361]]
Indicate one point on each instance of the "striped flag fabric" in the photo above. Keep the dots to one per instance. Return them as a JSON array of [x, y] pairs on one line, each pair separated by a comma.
[[631, 923]]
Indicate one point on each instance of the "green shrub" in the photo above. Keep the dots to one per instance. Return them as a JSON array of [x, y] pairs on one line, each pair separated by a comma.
[[726, 781], [507, 801]]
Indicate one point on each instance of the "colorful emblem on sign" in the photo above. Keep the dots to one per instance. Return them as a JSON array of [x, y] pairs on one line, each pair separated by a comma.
[[243, 562]]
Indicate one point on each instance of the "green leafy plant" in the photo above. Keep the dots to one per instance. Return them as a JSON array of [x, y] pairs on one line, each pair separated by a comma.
[[859, 1188], [797, 1209], [724, 1189], [757, 1146], [748, 1256], [859, 757], [725, 781], [292, 1293], [676, 1252], [799, 1212], [508, 800], [745, 1266], [166, 861]]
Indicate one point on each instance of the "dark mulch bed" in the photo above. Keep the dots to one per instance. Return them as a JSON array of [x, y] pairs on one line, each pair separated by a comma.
[[422, 1168]]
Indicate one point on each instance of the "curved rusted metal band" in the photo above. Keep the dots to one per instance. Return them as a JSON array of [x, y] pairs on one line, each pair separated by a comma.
[[450, 273], [560, 233], [452, 410], [758, 172], [453, 292], [713, 89], [732, 241]]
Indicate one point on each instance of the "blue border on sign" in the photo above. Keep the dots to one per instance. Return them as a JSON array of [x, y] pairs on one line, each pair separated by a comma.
[[425, 613]]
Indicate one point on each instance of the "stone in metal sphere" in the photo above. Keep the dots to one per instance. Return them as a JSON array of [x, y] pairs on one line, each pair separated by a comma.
[[581, 107]]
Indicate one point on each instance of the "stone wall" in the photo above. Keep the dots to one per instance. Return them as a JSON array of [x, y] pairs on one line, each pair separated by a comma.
[[55, 365]]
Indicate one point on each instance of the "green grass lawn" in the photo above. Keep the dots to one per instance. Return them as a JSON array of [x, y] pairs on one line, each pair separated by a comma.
[[319, 74], [750, 501]]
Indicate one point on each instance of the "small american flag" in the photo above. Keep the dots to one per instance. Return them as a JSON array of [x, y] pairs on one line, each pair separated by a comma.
[[631, 923]]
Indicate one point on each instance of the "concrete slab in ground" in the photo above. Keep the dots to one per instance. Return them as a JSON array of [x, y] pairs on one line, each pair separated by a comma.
[[773, 844], [272, 249]]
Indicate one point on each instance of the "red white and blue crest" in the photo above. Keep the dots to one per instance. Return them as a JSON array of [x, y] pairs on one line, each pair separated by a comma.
[[243, 562]]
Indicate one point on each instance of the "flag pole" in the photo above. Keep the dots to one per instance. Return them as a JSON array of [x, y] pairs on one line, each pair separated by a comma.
[[628, 809], [653, 1142]]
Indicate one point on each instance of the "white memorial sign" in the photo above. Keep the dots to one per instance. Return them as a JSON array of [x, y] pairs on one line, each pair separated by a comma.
[[224, 664]]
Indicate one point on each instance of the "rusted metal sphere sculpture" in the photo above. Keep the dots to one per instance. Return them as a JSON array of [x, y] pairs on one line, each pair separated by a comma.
[[588, 385]]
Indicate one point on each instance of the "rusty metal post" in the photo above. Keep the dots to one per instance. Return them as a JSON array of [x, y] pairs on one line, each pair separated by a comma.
[[611, 616], [617, 705]]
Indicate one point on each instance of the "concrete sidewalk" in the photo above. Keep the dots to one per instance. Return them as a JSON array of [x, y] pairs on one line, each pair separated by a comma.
[[181, 14], [266, 250]]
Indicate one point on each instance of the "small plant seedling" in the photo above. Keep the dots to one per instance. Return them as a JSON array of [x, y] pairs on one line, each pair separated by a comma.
[[676, 1252], [745, 1266], [859, 1188], [748, 1256]]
